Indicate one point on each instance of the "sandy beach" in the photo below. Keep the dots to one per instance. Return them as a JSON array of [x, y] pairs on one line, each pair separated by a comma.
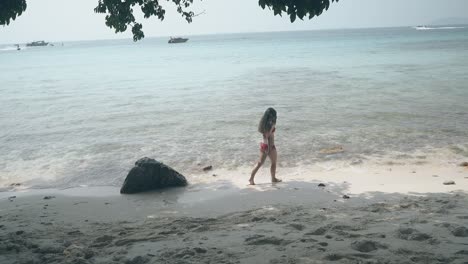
[[362, 114], [394, 214]]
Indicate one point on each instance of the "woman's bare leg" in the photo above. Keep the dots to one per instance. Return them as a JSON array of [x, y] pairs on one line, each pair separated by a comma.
[[263, 156], [273, 157]]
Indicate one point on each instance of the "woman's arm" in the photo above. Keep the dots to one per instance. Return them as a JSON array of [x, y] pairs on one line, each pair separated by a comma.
[[266, 140], [271, 138]]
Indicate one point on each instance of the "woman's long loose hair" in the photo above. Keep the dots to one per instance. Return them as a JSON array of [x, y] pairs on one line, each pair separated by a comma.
[[267, 121]]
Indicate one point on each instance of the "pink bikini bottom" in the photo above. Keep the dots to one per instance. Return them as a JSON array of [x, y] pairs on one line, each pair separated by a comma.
[[264, 147]]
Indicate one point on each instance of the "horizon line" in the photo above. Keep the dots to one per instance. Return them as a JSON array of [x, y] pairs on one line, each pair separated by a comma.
[[235, 33]]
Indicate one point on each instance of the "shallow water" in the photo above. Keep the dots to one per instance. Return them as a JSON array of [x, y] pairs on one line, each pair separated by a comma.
[[82, 113]]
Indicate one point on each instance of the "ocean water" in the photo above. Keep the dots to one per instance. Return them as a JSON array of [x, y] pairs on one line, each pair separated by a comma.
[[84, 112]]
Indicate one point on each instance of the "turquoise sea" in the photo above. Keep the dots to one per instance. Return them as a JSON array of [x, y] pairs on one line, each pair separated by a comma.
[[84, 112]]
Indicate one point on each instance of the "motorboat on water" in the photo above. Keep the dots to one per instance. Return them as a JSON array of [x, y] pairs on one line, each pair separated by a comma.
[[37, 43], [177, 40]]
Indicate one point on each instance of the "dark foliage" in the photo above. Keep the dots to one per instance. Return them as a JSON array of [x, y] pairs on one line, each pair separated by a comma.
[[119, 13], [297, 8], [10, 9]]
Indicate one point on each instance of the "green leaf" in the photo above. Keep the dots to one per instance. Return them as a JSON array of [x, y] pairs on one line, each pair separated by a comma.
[[293, 17]]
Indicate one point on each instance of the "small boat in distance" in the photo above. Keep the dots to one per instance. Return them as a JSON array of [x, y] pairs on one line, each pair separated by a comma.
[[37, 43], [421, 28], [177, 40]]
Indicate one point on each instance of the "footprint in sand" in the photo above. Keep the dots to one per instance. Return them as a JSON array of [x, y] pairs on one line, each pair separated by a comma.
[[74, 233], [318, 232], [333, 257], [308, 240], [102, 241], [263, 240], [412, 234], [367, 246], [460, 231], [298, 227], [138, 260]]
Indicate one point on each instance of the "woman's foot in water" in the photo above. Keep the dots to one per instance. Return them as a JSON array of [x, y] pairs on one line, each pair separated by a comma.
[[275, 180]]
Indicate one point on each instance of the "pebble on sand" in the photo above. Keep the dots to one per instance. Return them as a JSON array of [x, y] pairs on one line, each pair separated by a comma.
[[333, 150], [449, 183]]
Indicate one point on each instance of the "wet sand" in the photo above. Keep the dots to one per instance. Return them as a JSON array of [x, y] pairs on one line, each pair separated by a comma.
[[394, 214]]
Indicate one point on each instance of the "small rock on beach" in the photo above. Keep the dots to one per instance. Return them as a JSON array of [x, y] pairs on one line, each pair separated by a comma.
[[449, 183], [207, 168], [149, 174]]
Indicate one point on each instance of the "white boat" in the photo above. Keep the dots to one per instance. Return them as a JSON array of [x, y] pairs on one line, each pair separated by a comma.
[[421, 28], [37, 43]]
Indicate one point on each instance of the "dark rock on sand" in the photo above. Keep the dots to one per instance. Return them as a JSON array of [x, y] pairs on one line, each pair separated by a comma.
[[464, 164], [449, 183], [48, 197], [207, 168], [321, 185], [346, 196], [149, 174]]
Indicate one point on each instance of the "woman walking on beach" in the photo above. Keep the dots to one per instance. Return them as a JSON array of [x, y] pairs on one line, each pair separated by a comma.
[[267, 148]]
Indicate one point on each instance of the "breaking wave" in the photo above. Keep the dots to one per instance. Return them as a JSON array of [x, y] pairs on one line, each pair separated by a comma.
[[435, 28]]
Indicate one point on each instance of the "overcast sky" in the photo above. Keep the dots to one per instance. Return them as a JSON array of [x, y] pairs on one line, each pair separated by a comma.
[[65, 20]]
